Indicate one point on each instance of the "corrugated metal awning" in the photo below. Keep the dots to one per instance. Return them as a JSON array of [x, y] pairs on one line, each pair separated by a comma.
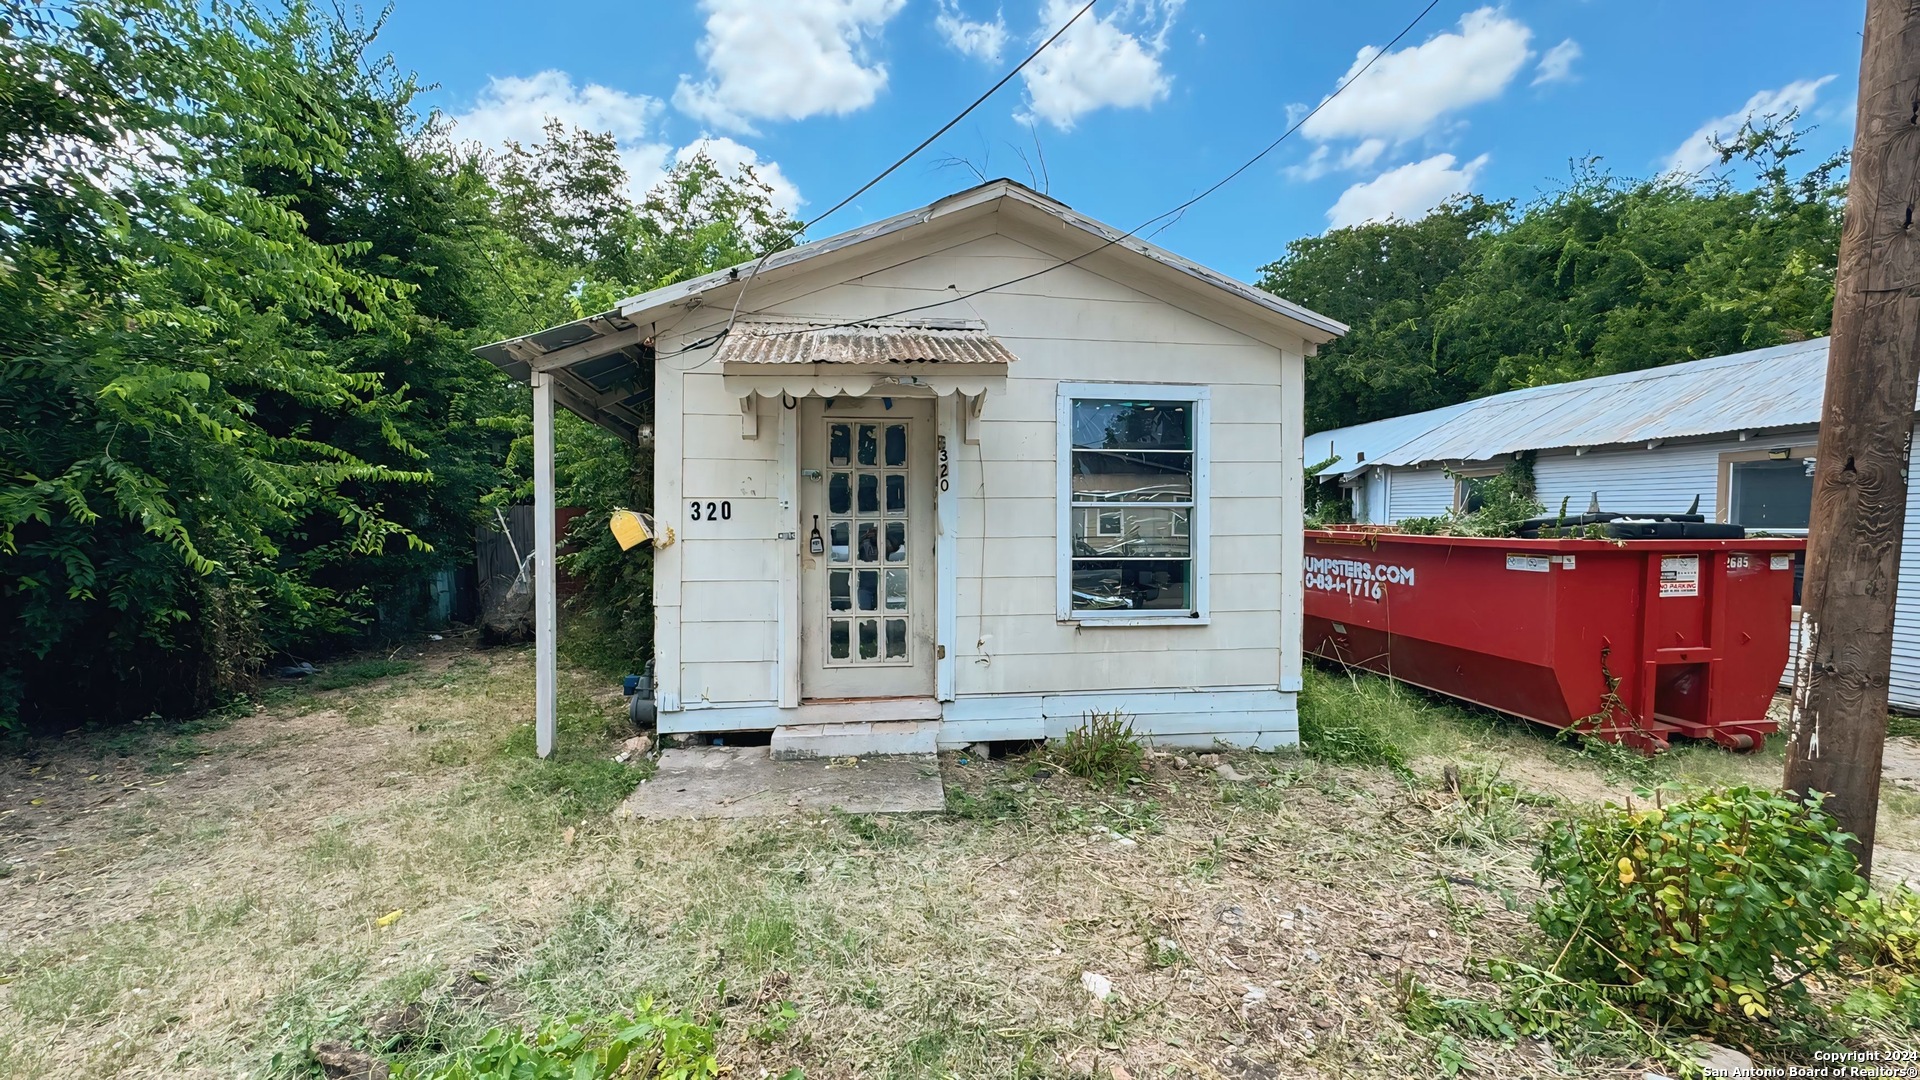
[[801, 343], [602, 366]]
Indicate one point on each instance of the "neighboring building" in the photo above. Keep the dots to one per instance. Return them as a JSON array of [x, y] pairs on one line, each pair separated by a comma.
[[896, 497], [1737, 432]]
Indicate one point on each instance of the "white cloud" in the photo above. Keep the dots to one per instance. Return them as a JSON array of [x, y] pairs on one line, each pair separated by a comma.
[[1557, 65], [1361, 155], [516, 109], [1108, 61], [730, 156], [1364, 154], [785, 60], [1405, 92], [1318, 164], [1409, 192], [971, 37], [1697, 152]]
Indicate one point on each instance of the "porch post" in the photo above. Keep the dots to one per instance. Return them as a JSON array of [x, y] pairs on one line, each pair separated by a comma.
[[545, 627]]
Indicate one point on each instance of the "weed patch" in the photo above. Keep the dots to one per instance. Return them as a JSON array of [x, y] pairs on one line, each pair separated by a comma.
[[1347, 720], [645, 1043], [762, 935], [580, 778], [358, 673], [878, 831], [995, 802], [1102, 750]]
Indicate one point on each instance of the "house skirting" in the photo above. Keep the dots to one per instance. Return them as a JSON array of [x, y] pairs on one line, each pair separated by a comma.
[[1257, 718]]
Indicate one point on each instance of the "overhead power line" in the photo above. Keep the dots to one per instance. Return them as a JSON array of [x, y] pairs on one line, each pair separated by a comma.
[[904, 158], [1177, 210]]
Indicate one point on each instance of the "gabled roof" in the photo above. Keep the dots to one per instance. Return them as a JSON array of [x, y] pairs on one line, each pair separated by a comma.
[[987, 197], [603, 364], [1778, 387]]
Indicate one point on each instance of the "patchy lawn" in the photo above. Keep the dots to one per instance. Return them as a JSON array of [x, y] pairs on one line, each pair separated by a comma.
[[384, 863]]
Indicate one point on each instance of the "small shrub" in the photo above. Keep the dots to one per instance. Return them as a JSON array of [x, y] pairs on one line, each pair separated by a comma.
[[1886, 960], [646, 1044], [777, 1018], [1710, 910], [1102, 749]]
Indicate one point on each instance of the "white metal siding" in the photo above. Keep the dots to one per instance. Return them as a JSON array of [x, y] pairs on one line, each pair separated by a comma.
[[1904, 688], [1417, 493], [1663, 478]]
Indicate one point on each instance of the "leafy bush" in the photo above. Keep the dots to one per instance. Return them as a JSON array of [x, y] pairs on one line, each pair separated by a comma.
[[648, 1044], [1709, 910], [1102, 749]]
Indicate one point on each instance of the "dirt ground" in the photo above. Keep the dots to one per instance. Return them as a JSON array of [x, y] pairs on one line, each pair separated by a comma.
[[385, 864]]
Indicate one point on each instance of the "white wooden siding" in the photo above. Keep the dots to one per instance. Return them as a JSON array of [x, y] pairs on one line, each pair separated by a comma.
[[1070, 325]]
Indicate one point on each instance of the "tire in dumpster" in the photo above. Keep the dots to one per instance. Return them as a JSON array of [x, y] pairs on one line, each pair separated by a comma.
[[1631, 641]]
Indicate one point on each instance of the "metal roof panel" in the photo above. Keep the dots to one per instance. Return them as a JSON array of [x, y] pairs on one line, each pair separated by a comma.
[[1774, 387]]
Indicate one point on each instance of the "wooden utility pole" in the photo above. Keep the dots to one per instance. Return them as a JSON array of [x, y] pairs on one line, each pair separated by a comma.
[[1839, 723]]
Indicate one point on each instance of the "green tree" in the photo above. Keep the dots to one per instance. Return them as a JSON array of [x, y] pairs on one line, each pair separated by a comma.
[[697, 219], [199, 424], [1604, 275], [1388, 280]]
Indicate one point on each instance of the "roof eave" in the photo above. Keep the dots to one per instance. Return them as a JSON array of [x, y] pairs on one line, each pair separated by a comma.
[[1315, 328]]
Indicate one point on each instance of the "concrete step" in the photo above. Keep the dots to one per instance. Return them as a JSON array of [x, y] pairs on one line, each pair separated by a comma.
[[861, 738]]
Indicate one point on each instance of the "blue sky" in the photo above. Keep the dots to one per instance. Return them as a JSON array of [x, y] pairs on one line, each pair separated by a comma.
[[1144, 103]]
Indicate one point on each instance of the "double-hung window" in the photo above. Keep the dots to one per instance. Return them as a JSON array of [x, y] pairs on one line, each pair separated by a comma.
[[1133, 503]]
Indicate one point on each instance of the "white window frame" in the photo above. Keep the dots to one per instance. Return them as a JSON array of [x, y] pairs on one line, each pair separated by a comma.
[[1199, 532], [1463, 485], [1100, 522]]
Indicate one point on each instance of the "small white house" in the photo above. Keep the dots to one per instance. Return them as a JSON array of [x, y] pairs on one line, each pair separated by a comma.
[[980, 468], [1738, 433]]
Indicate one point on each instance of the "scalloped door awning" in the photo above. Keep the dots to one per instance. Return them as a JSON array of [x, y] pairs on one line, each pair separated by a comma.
[[796, 359]]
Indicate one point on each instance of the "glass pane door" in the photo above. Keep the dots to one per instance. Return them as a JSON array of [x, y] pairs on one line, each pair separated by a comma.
[[870, 599]]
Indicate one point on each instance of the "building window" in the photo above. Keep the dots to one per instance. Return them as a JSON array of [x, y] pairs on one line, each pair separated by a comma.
[[1771, 494], [1133, 497], [1469, 492]]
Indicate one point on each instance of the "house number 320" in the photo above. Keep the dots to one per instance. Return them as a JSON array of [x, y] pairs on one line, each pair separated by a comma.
[[710, 511]]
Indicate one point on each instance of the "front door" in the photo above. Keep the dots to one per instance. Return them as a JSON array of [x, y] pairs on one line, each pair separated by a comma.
[[866, 596]]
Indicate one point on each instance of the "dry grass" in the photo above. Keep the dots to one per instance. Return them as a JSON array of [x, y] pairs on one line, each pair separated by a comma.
[[215, 917]]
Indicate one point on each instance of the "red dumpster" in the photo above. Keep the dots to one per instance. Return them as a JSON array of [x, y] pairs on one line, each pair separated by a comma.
[[1632, 641]]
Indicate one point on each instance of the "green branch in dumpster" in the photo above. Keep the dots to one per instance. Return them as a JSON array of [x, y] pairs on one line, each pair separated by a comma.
[[1505, 500]]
